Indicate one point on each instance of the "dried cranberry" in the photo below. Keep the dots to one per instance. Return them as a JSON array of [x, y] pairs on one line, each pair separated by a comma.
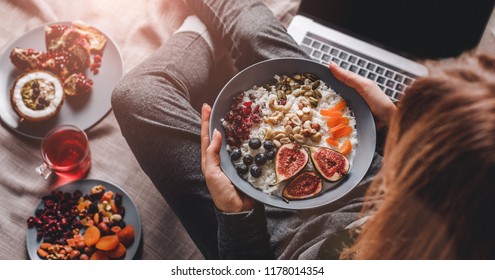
[[31, 222]]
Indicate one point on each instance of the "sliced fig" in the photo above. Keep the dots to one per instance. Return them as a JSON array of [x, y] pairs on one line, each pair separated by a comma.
[[305, 185], [289, 160], [330, 164]]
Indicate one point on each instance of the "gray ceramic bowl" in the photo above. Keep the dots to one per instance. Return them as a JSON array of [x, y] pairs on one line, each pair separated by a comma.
[[261, 73]]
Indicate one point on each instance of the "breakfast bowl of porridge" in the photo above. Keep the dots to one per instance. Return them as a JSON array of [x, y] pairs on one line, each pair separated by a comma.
[[293, 136]]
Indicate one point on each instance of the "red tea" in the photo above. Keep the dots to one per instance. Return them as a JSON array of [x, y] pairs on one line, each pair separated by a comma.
[[67, 153]]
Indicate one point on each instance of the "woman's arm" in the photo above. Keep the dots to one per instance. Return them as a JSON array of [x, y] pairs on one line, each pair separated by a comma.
[[242, 229]]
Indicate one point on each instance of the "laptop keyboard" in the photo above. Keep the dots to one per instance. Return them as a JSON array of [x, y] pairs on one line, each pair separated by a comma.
[[390, 81]]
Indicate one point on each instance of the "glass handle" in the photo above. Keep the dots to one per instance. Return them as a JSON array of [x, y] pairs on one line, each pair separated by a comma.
[[43, 171]]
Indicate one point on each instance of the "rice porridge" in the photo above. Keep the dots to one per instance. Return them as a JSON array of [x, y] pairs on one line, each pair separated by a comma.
[[299, 109]]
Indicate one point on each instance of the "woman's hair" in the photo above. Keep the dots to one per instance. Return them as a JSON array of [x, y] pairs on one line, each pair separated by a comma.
[[435, 195]]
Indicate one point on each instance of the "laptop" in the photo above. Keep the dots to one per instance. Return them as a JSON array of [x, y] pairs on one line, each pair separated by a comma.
[[382, 40]]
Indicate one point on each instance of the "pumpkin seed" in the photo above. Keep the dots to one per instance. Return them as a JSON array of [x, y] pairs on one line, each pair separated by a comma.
[[315, 84], [317, 93]]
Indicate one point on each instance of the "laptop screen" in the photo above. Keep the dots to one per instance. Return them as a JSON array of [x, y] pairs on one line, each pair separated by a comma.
[[416, 29]]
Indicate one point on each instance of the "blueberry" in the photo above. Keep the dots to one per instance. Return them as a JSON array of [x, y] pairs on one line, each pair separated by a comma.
[[241, 169], [270, 154], [236, 154], [268, 145], [260, 159], [254, 143], [248, 159], [255, 171]]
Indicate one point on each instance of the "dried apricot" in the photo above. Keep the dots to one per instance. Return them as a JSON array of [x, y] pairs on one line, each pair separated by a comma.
[[107, 196], [340, 106], [337, 128], [331, 113], [346, 147], [117, 253], [78, 237], [99, 255], [107, 243], [126, 235], [332, 142], [71, 242], [116, 229], [91, 236], [332, 122], [342, 132], [42, 253]]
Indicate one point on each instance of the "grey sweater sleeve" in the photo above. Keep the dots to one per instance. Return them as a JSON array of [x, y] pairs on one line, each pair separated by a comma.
[[244, 235]]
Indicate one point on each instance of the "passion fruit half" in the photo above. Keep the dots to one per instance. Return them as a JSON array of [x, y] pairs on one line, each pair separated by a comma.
[[37, 96]]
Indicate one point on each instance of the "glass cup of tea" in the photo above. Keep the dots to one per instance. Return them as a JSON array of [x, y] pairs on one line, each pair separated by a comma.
[[65, 152]]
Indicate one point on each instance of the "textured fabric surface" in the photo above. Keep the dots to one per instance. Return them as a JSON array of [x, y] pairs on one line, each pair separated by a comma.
[[138, 28]]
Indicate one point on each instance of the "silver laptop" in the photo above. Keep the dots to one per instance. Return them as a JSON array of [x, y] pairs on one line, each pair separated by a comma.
[[382, 39]]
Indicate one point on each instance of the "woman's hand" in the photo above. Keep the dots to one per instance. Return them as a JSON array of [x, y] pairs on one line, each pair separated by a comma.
[[224, 194], [380, 104]]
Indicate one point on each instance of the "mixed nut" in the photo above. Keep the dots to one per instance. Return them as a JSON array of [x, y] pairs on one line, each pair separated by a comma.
[[298, 126]]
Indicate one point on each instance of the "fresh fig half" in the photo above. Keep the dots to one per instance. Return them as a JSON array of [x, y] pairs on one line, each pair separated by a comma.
[[290, 159], [330, 164], [305, 185]]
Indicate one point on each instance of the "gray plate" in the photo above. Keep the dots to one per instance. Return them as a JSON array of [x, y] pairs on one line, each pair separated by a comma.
[[81, 111], [260, 74], [131, 215]]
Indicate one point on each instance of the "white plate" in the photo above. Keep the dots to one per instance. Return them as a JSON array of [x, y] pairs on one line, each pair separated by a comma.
[[131, 216], [82, 111]]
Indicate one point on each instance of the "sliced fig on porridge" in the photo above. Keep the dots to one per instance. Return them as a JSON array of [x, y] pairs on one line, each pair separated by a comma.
[[290, 159], [330, 164], [305, 185]]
